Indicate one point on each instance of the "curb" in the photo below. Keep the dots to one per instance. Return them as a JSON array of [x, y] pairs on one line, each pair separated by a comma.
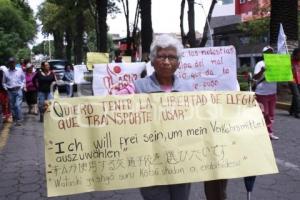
[[283, 105]]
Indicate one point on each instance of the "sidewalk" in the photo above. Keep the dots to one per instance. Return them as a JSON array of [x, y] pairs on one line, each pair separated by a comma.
[[22, 170]]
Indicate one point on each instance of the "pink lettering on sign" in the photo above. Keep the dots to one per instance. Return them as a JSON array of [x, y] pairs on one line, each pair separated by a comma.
[[202, 65], [209, 51], [115, 76]]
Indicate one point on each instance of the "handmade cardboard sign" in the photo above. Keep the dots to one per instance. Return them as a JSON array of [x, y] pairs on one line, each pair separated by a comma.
[[278, 67], [131, 141], [106, 75], [96, 58]]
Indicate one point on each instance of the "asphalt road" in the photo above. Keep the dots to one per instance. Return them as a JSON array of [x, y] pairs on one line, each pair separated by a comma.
[[22, 170]]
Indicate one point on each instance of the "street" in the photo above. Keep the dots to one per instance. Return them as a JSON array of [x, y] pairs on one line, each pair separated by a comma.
[[22, 167]]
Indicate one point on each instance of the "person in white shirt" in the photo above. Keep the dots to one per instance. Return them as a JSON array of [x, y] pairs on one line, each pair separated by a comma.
[[266, 94], [14, 83]]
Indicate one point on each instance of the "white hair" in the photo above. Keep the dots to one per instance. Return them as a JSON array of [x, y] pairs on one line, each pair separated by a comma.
[[165, 41]]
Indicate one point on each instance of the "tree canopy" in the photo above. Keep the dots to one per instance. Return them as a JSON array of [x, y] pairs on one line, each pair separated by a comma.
[[17, 29]]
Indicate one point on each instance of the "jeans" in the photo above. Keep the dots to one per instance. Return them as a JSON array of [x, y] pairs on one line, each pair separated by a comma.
[[42, 97], [295, 106], [268, 104], [15, 100]]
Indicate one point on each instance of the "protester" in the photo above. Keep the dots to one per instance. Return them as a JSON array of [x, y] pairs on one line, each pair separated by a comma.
[[69, 77], [14, 83], [23, 64], [165, 55], [266, 93], [6, 114], [31, 90], [118, 56], [295, 85], [43, 80]]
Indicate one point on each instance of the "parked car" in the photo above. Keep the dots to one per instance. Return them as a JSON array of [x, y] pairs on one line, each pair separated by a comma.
[[58, 67]]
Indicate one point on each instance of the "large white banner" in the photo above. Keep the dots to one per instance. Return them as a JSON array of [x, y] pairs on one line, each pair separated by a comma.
[[208, 69], [105, 75]]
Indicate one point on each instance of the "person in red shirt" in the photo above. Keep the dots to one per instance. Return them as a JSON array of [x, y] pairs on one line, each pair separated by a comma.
[[295, 85]]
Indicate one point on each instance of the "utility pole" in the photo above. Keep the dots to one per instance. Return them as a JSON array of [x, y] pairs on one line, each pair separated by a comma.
[[49, 49], [208, 24]]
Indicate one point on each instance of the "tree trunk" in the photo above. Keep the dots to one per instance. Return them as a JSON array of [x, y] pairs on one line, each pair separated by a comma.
[[299, 23], [128, 38], [101, 6], [191, 36], [146, 27], [206, 28], [285, 12], [183, 36], [135, 38], [58, 44], [78, 39], [69, 44]]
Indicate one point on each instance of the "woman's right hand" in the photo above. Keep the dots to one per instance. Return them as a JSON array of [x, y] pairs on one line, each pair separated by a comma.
[[123, 87]]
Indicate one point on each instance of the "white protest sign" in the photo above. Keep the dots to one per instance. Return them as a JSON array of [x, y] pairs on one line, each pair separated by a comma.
[[105, 75], [208, 69], [79, 74]]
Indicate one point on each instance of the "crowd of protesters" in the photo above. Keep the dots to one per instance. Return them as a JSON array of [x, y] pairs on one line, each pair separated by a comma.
[[36, 86], [23, 82]]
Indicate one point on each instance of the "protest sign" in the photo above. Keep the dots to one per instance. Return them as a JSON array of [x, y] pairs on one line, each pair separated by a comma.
[[126, 59], [79, 71], [96, 58], [208, 69], [278, 67], [105, 75], [130, 141]]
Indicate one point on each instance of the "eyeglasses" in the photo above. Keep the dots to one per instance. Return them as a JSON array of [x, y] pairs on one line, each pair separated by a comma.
[[171, 58]]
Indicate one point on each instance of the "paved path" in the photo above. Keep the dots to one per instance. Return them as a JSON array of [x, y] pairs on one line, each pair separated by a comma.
[[22, 175]]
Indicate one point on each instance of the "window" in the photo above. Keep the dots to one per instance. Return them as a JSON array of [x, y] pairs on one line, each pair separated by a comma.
[[224, 2], [223, 42], [245, 40]]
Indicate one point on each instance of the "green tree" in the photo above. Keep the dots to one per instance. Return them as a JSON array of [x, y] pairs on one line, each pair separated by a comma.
[[52, 17], [99, 10], [258, 26], [256, 29], [17, 28], [43, 48]]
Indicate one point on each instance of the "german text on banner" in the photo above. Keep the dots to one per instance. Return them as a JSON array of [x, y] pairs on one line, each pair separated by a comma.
[[278, 67], [131, 141]]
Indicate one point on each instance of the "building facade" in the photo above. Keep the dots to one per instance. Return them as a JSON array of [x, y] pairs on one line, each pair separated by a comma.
[[227, 31]]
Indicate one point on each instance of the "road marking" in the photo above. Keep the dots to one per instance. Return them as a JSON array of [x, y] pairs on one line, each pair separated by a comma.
[[287, 164], [4, 135]]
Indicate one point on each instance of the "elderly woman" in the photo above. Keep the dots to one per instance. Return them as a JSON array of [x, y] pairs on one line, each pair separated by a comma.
[[165, 54]]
